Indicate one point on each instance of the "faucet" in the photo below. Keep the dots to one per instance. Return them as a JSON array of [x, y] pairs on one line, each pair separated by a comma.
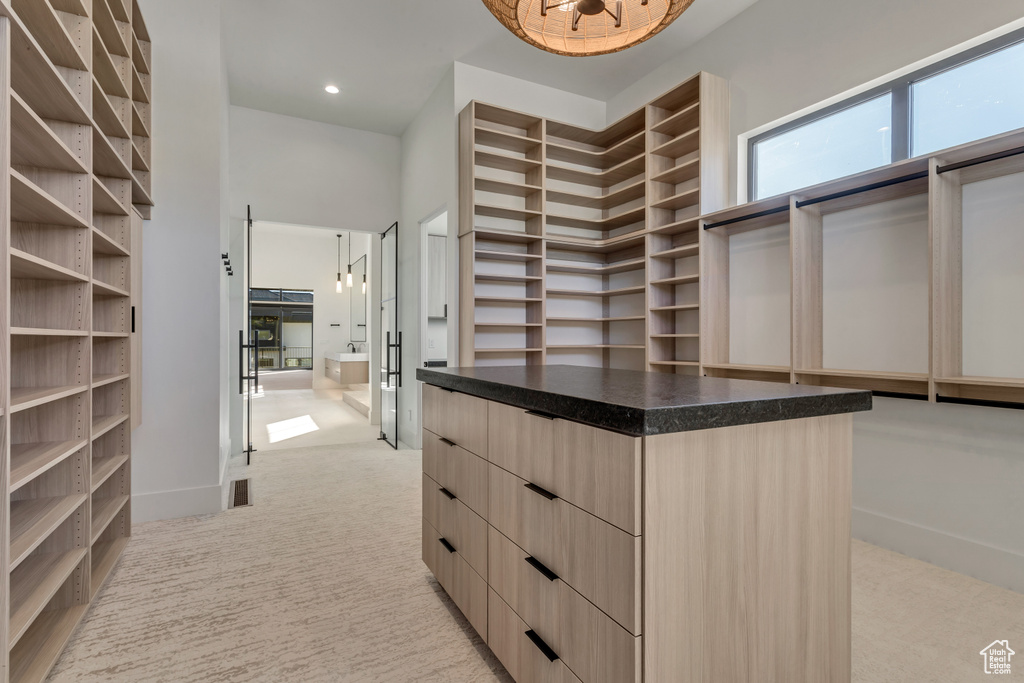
[[352, 346]]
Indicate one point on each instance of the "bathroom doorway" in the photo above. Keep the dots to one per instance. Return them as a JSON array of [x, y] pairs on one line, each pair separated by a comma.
[[308, 291]]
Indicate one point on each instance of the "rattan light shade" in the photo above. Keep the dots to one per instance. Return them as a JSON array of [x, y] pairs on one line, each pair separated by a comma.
[[595, 34]]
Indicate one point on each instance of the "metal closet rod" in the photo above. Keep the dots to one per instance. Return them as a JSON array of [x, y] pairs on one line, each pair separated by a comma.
[[979, 402], [980, 160], [863, 188], [759, 214]]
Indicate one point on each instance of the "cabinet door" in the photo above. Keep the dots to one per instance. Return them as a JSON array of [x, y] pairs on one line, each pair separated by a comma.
[[437, 276], [136, 321]]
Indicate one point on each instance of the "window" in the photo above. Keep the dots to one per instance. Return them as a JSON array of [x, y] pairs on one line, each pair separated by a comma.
[[969, 96]]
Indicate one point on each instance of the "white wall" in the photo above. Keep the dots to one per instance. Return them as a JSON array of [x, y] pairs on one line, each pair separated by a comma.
[[307, 258], [938, 482], [176, 459], [307, 173]]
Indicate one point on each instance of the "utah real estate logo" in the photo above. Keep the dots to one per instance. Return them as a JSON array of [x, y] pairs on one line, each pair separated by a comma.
[[997, 657]]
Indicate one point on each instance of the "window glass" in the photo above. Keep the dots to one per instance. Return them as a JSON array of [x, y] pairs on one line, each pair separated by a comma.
[[972, 101], [849, 141]]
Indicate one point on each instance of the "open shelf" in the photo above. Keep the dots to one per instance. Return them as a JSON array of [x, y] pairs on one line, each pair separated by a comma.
[[103, 380], [509, 325], [507, 236], [33, 142], [597, 346], [677, 280], [609, 268], [682, 200], [491, 255], [762, 373], [33, 520], [617, 319], [106, 160], [509, 350], [49, 30], [507, 213], [103, 289], [25, 398], [25, 265], [29, 460], [619, 173], [506, 141], [683, 121], [41, 646], [508, 278], [108, 29], [503, 162], [105, 244], [40, 84], [104, 201], [687, 170], [619, 220], [31, 204], [103, 468], [605, 201], [104, 510], [598, 159], [686, 143], [622, 291], [104, 423], [105, 555], [35, 582], [506, 188]]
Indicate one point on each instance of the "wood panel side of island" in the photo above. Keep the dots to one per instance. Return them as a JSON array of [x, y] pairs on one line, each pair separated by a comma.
[[747, 553]]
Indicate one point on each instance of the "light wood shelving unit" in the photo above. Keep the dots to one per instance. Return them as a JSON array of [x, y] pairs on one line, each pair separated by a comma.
[[939, 180], [580, 246], [77, 111]]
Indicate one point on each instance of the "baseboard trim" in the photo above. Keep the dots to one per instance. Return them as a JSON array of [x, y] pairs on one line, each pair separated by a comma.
[[203, 500], [993, 565]]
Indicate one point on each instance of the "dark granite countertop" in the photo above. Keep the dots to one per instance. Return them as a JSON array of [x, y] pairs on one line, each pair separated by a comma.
[[644, 403]]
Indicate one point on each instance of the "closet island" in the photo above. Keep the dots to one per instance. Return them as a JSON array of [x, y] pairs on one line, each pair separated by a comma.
[[604, 525]]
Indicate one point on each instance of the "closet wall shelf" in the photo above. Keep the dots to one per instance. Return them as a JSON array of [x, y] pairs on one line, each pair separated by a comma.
[[34, 519], [35, 582], [29, 460]]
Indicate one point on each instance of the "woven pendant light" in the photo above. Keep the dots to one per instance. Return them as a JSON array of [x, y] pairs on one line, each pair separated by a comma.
[[579, 28]]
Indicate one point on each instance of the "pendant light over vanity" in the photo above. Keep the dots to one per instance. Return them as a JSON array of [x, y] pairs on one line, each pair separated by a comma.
[[348, 280], [339, 286]]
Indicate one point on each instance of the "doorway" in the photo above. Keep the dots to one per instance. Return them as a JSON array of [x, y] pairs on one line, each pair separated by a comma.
[[306, 348]]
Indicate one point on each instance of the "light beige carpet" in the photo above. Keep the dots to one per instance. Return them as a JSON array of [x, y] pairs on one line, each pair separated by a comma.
[[321, 581]]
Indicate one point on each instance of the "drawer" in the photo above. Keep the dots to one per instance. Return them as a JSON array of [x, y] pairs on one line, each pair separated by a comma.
[[464, 586], [458, 470], [598, 560], [460, 418], [463, 528], [524, 659], [590, 643], [594, 469]]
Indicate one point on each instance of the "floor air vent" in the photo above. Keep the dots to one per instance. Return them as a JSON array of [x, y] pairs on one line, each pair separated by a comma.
[[239, 497]]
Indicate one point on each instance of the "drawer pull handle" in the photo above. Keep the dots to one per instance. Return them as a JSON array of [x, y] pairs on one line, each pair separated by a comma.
[[447, 442], [541, 492], [447, 546], [537, 413], [450, 391], [541, 645], [544, 571], [451, 496]]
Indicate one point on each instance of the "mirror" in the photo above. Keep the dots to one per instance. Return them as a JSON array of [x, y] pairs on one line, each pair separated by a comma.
[[357, 301]]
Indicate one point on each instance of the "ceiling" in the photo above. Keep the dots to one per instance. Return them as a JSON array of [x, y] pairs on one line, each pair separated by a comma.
[[387, 56]]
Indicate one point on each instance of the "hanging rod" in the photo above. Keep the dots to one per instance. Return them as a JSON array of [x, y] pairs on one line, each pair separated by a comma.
[[862, 188], [979, 402], [899, 394], [980, 160], [759, 214]]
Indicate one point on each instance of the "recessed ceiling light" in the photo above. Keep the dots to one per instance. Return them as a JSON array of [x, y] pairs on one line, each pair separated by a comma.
[[333, 89]]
